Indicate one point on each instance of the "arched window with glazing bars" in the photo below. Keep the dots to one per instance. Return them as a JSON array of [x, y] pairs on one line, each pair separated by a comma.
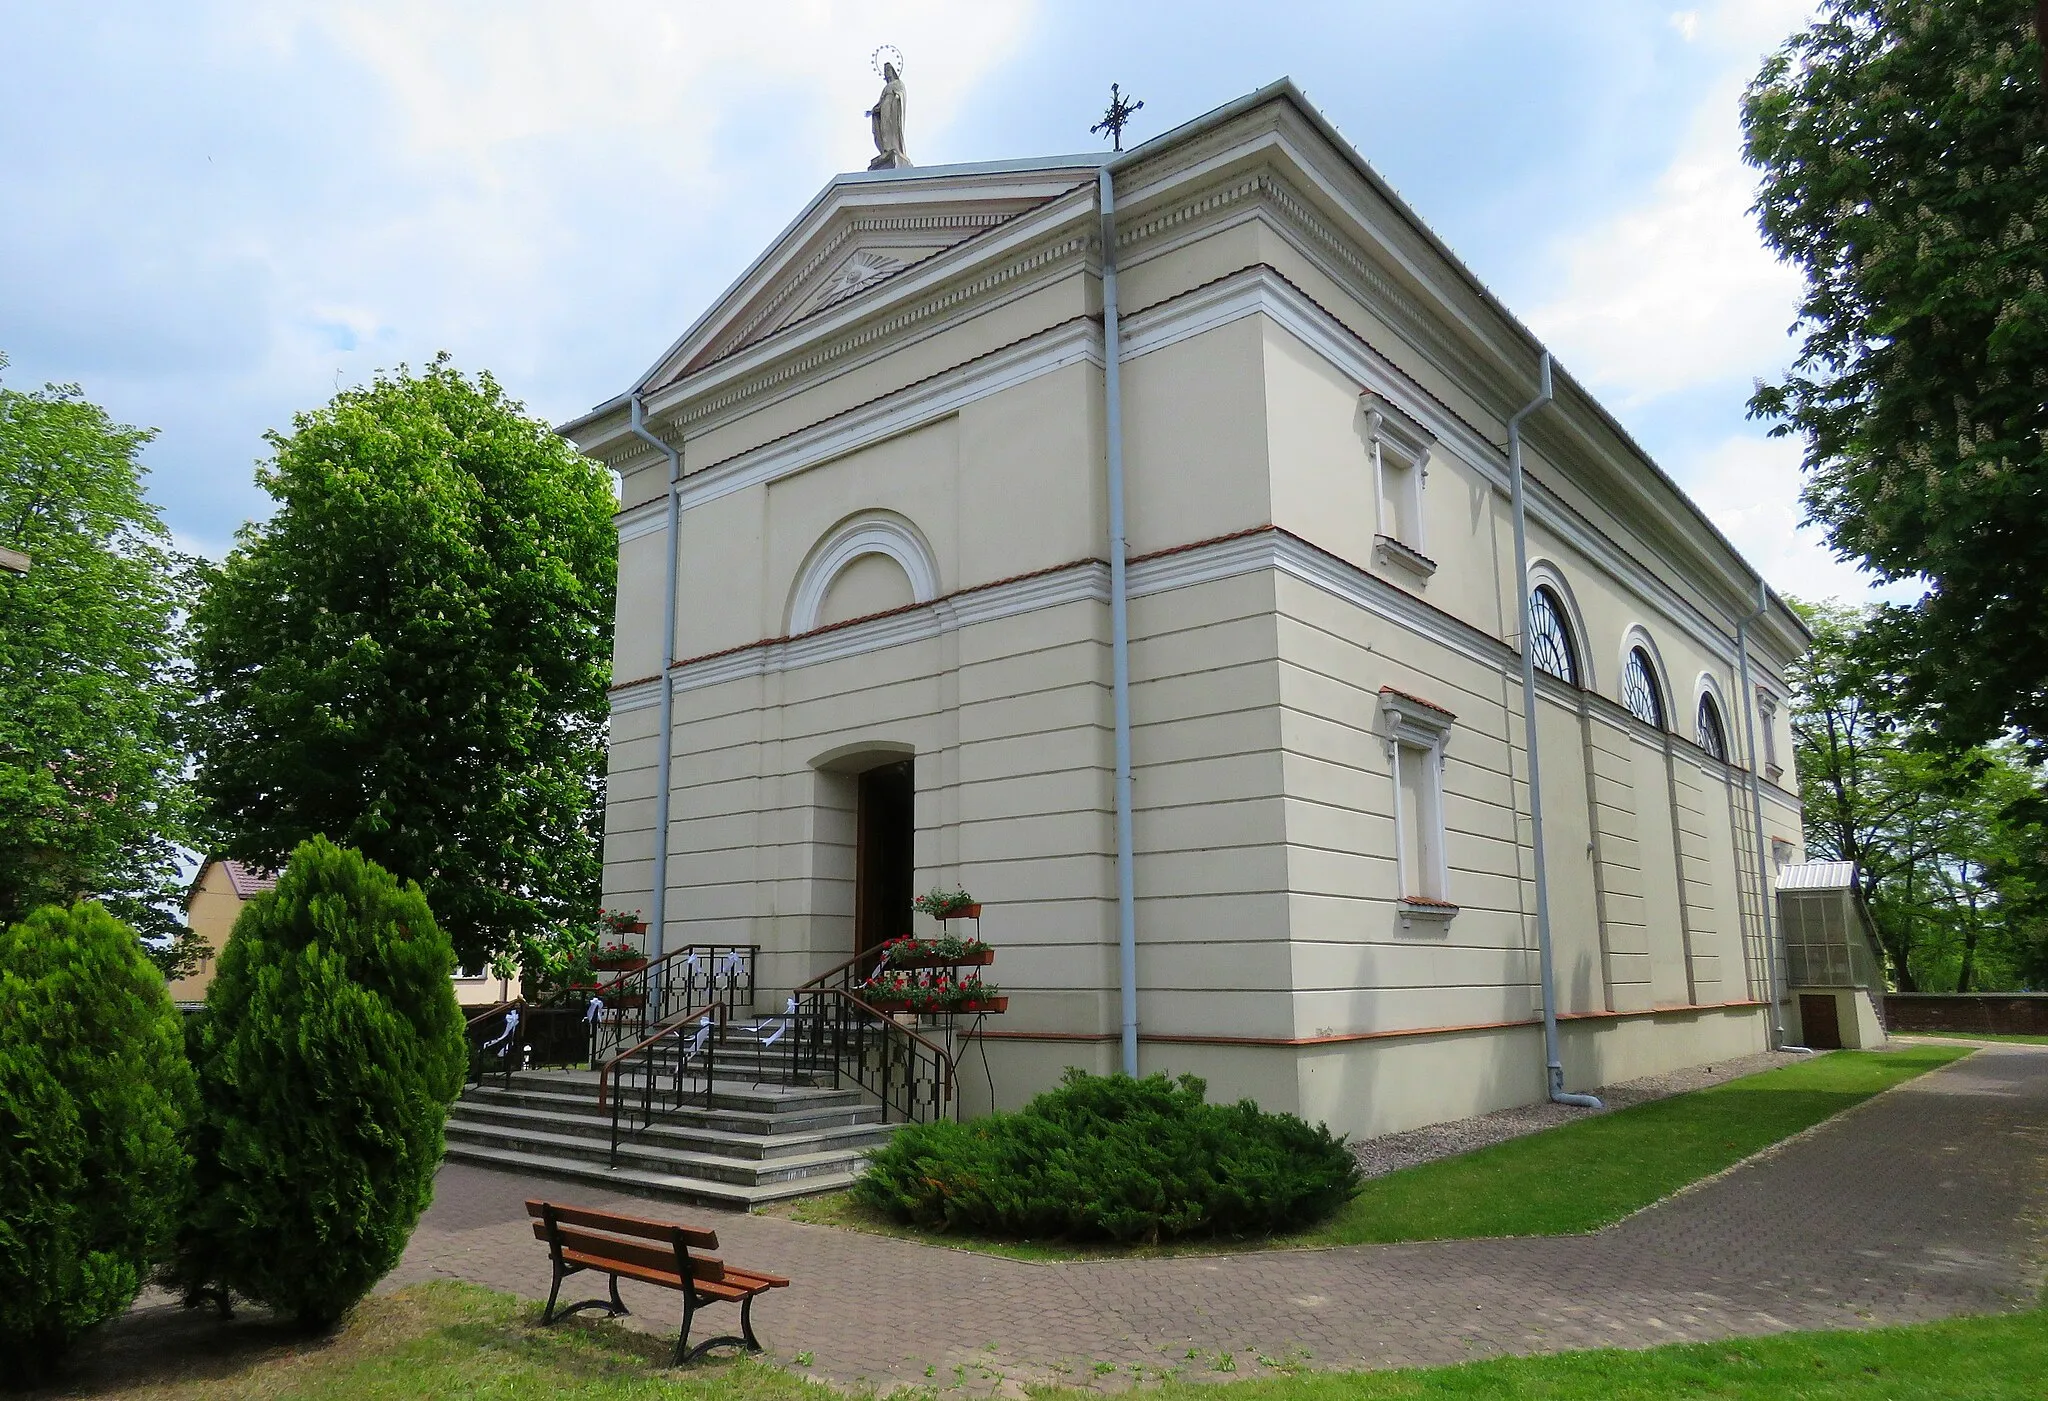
[[1639, 693], [1550, 636], [1711, 735]]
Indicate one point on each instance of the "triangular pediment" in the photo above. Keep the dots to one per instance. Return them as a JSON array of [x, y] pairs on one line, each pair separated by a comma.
[[858, 235]]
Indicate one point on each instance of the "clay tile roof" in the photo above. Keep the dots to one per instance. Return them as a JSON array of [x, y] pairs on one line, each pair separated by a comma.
[[1417, 700], [247, 880]]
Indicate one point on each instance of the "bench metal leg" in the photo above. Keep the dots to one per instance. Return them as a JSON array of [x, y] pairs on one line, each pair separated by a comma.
[[747, 1323], [686, 1353], [615, 1306]]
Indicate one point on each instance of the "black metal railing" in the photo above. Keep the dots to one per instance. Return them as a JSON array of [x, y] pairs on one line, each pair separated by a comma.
[[635, 1004], [833, 1032], [662, 1072]]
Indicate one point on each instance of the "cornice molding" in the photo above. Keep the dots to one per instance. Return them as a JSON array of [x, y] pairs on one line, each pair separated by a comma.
[[800, 280], [1264, 549], [647, 518]]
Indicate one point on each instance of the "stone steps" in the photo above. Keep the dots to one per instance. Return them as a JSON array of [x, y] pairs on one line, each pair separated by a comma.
[[756, 1141]]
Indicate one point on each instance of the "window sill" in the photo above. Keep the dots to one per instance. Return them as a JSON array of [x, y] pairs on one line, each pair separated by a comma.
[[1429, 914], [1386, 550]]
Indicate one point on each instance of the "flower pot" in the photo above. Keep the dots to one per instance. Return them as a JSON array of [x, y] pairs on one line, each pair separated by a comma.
[[618, 965], [987, 1004], [972, 960], [626, 1001], [638, 926], [889, 1004], [961, 912]]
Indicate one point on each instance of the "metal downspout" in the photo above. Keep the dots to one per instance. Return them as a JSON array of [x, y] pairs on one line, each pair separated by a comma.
[[1756, 806], [1552, 1059], [1119, 629], [657, 914]]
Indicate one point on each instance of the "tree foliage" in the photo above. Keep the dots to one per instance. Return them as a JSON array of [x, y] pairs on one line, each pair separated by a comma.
[[1904, 151], [330, 1051], [92, 797], [411, 655], [1949, 843], [95, 1093]]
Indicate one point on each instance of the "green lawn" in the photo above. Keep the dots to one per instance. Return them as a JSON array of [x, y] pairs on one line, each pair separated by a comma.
[[1577, 1177], [1588, 1174], [454, 1340], [2016, 1039]]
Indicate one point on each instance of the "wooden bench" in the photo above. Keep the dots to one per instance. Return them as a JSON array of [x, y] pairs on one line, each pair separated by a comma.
[[654, 1252]]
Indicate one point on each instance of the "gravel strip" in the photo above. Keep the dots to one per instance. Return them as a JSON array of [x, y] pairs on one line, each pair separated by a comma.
[[1391, 1152]]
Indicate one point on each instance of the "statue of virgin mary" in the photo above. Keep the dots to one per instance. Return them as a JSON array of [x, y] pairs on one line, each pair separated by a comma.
[[886, 119]]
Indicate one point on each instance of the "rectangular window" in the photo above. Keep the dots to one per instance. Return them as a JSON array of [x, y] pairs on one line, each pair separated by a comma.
[[1767, 721], [1419, 822], [1400, 449], [1417, 732], [1400, 499]]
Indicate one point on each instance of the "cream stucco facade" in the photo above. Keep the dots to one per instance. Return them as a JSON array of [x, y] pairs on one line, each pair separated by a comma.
[[892, 545]]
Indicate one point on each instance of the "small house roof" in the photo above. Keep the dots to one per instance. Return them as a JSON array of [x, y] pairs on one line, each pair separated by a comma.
[[1818, 875], [246, 881]]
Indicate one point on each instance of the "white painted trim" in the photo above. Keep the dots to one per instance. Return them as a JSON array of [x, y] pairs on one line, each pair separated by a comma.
[[1708, 687], [1545, 573], [947, 393], [647, 518], [1633, 636], [1087, 582], [1261, 291], [1253, 291], [1408, 725], [871, 533], [641, 695]]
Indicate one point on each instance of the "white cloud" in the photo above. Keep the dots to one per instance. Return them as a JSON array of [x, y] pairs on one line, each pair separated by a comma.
[[1687, 23], [1679, 290], [1749, 487]]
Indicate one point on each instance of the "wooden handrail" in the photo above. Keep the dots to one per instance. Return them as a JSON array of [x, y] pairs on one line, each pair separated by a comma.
[[819, 981], [668, 1028], [683, 952], [879, 1015], [493, 1011]]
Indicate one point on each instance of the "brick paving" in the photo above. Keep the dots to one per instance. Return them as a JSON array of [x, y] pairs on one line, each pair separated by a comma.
[[1924, 1202]]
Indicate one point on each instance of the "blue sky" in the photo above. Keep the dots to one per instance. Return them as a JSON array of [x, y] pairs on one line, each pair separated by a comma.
[[221, 212]]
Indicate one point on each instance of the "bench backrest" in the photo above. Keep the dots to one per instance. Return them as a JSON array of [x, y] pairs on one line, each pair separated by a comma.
[[616, 1250], [621, 1225]]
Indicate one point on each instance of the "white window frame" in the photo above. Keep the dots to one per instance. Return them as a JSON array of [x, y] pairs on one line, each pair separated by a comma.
[[1399, 445], [1410, 723], [1767, 721]]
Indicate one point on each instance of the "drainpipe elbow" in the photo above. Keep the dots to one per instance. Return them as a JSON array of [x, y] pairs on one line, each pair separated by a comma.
[[1582, 1101]]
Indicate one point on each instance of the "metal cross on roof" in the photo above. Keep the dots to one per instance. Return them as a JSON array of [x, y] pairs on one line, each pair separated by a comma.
[[1118, 115]]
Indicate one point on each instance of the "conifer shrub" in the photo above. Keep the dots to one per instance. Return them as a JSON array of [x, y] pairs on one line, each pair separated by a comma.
[[95, 1094], [1109, 1157], [331, 1049]]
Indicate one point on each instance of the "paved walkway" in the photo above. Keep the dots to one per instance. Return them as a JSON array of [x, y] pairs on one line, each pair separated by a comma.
[[1924, 1202]]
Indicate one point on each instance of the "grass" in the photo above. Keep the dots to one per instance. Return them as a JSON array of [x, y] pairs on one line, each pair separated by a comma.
[[446, 1339], [1591, 1173], [1577, 1177], [2015, 1038], [429, 1341]]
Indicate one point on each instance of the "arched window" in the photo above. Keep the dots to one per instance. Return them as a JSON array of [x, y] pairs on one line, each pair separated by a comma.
[[1551, 636], [1709, 732], [1639, 688]]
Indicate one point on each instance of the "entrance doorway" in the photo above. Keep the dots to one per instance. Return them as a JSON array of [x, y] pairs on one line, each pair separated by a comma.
[[1819, 1018], [885, 862]]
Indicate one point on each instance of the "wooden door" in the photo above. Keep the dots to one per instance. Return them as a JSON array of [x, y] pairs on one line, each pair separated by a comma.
[[885, 862], [1818, 1017]]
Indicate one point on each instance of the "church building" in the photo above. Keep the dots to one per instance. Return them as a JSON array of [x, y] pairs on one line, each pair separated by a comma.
[[873, 496]]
